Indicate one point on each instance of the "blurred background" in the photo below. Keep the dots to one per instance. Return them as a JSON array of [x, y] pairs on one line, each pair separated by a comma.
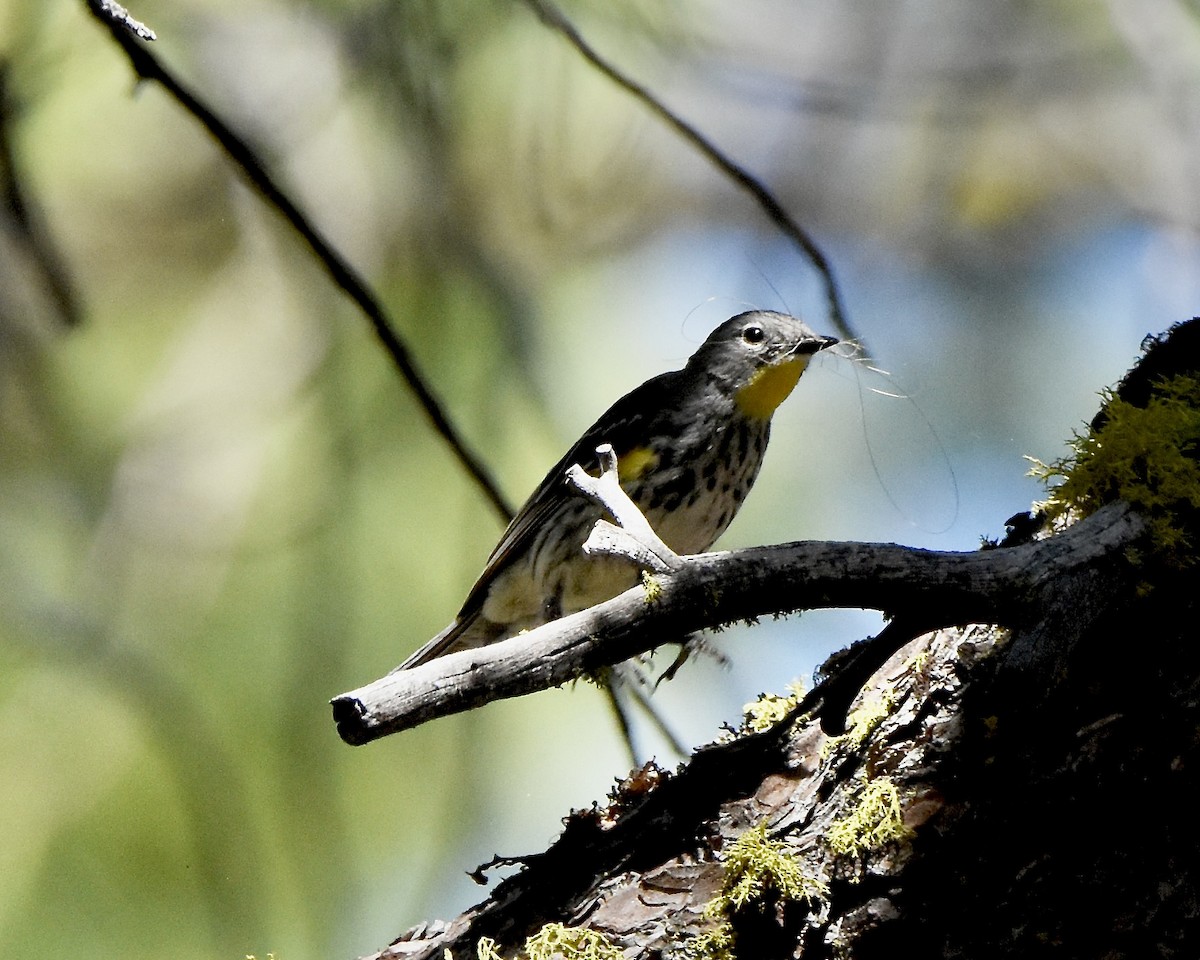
[[219, 506]]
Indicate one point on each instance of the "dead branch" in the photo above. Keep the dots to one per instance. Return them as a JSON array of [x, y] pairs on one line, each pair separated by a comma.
[[148, 67], [1003, 586], [557, 20]]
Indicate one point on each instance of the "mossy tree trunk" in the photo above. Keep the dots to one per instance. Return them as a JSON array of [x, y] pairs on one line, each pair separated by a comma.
[[996, 792]]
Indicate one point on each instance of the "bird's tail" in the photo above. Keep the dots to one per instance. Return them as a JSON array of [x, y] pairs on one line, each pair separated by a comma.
[[462, 634]]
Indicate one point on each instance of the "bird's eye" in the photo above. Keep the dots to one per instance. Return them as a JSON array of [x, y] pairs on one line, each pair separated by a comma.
[[753, 334]]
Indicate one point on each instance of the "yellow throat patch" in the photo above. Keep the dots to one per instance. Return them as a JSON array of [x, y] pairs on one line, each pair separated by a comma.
[[769, 387]]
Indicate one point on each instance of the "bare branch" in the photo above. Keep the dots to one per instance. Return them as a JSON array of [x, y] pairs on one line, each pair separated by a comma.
[[116, 15], [25, 216], [634, 539], [556, 20], [1000, 586], [147, 67]]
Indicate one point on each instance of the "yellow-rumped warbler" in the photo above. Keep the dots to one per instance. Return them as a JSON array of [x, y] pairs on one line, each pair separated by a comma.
[[689, 444]]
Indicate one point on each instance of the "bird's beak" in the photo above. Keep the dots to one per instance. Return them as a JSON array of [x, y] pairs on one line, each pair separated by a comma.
[[811, 345]]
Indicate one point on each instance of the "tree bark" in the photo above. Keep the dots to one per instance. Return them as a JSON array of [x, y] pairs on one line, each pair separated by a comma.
[[1000, 791]]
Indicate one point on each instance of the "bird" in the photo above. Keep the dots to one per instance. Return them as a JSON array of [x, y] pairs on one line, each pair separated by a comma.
[[689, 444]]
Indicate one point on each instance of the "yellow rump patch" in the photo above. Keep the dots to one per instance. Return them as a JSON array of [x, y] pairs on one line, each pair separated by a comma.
[[632, 465], [769, 387]]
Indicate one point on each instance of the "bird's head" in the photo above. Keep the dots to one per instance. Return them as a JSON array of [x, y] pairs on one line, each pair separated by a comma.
[[760, 356]]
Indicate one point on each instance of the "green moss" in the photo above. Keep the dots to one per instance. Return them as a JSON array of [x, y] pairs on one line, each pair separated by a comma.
[[876, 819], [651, 586], [601, 677], [771, 708], [758, 871], [875, 708], [716, 944], [1146, 456], [570, 943], [557, 940], [756, 864]]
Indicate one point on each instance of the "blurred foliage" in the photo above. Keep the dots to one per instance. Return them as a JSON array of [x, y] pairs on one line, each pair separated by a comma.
[[219, 507]]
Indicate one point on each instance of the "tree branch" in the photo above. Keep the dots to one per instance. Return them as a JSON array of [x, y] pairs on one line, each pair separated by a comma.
[[25, 216], [147, 67], [116, 15], [633, 539], [1001, 586], [556, 20]]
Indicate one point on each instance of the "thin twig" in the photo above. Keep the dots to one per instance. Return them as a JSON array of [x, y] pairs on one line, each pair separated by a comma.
[[116, 14], [147, 66], [634, 539], [629, 685], [29, 228], [554, 18]]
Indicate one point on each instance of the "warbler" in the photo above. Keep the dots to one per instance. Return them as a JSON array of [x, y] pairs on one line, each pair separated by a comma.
[[689, 444]]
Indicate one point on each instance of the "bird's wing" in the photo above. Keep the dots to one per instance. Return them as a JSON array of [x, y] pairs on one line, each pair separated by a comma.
[[622, 425], [435, 647]]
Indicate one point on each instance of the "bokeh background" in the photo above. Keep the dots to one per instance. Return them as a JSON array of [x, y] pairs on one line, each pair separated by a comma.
[[219, 506]]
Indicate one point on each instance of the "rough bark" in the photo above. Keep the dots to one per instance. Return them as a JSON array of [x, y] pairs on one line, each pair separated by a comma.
[[1007, 586], [1046, 782]]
